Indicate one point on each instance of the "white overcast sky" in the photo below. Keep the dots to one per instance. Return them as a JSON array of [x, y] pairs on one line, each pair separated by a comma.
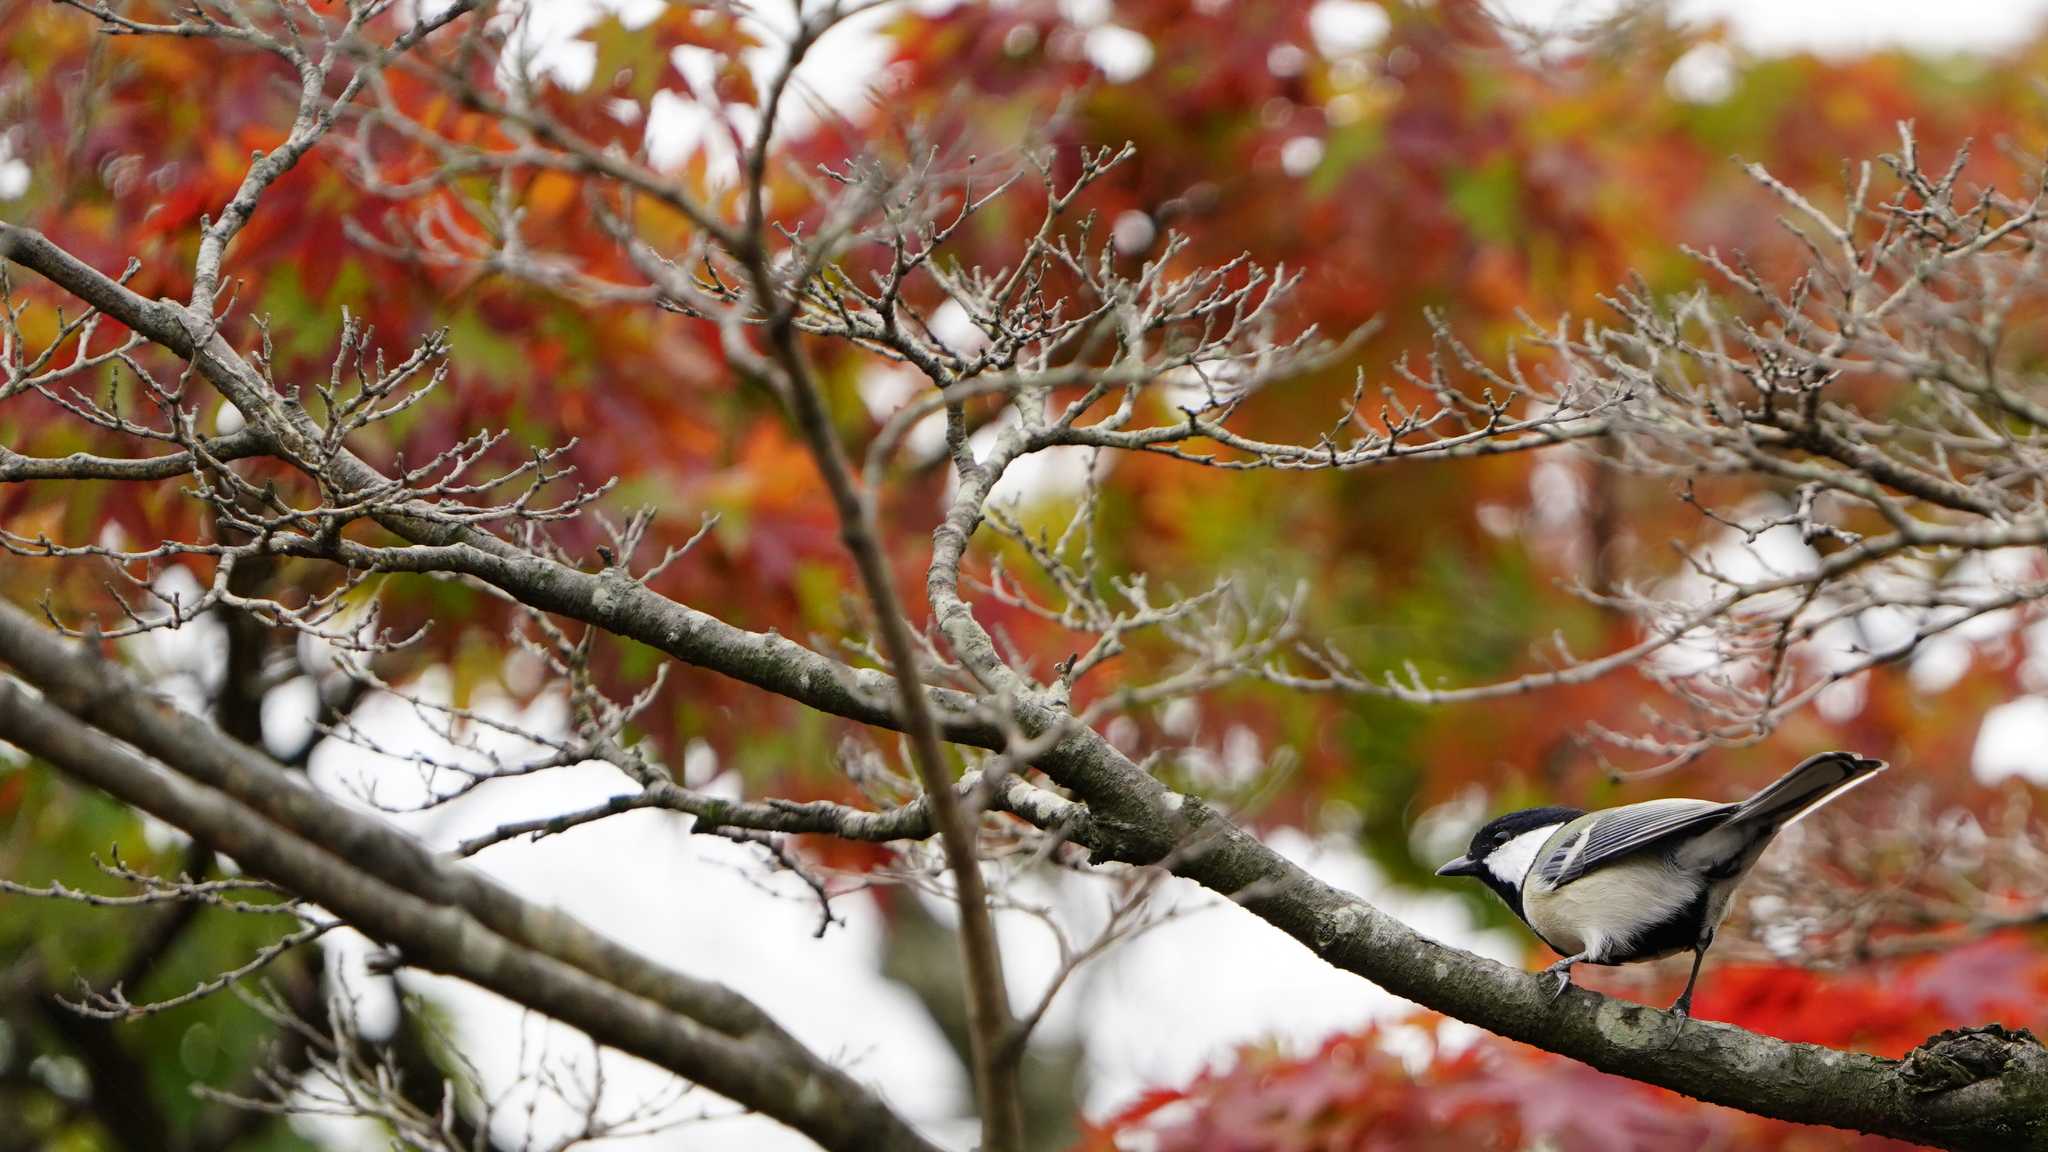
[[1832, 26]]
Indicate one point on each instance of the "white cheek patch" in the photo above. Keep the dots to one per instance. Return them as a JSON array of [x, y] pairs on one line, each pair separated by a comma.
[[1510, 862]]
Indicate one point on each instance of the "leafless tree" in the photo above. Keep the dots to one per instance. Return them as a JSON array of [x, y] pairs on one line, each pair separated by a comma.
[[1916, 279]]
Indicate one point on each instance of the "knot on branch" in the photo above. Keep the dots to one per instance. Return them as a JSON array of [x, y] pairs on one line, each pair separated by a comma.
[[1114, 839], [1963, 1056]]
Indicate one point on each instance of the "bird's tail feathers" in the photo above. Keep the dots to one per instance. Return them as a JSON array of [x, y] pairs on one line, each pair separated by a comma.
[[1815, 781]]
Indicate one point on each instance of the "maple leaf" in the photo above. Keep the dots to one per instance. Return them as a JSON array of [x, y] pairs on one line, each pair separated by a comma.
[[632, 61]]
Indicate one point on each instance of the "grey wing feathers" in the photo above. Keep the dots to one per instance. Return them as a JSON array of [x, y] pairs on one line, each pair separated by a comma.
[[1625, 831]]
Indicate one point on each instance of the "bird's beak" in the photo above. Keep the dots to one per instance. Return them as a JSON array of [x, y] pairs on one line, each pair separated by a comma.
[[1462, 866]]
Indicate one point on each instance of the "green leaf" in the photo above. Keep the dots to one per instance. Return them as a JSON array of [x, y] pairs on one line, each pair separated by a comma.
[[1488, 199]]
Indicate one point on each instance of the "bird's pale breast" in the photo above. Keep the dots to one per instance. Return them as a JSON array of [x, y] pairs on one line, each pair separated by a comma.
[[1602, 913]]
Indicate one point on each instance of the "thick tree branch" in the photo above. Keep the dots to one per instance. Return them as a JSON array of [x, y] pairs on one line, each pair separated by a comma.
[[16, 468], [441, 917]]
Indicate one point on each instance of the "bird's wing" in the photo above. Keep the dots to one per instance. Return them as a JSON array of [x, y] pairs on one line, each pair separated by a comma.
[[1624, 831]]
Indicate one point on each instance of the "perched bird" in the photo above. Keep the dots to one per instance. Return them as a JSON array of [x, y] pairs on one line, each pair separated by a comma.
[[1645, 880]]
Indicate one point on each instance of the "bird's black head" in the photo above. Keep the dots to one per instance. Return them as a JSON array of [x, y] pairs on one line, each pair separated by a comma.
[[1501, 830]]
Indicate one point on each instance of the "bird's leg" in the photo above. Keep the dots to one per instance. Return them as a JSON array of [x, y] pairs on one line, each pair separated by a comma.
[[1563, 971], [1682, 1007]]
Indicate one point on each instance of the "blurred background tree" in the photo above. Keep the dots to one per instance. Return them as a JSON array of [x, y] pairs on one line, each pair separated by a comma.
[[1408, 162]]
